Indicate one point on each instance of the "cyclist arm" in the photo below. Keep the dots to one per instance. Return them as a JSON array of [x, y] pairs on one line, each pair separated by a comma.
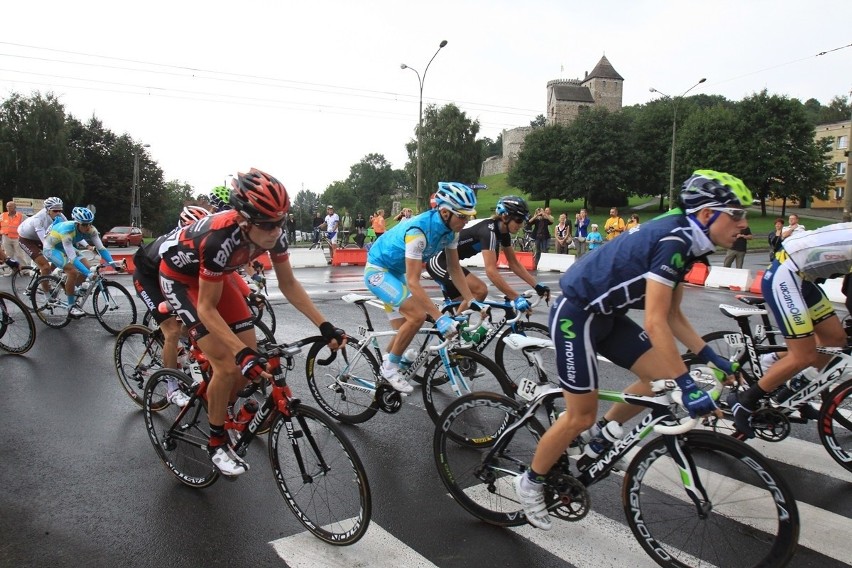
[[493, 273], [681, 327], [95, 240], [457, 276], [413, 271], [296, 294], [659, 302]]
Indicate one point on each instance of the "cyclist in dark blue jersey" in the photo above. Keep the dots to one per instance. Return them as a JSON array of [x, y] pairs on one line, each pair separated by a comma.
[[640, 270]]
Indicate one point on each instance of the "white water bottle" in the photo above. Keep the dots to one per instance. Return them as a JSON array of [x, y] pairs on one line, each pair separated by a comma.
[[601, 442], [407, 359]]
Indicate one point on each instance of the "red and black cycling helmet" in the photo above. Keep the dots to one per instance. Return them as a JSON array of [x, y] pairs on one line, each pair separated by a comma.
[[259, 196]]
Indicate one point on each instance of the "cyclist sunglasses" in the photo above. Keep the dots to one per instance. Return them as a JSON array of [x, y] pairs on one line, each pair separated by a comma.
[[269, 225], [462, 216], [85, 224], [736, 214]]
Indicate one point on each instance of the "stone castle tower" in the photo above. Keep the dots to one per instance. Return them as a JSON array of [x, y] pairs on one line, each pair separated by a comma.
[[566, 99]]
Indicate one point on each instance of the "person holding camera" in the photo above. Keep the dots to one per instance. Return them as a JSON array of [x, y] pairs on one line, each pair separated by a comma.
[[614, 226], [581, 231], [540, 224]]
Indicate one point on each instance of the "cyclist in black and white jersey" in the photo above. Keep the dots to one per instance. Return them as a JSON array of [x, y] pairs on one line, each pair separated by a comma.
[[640, 270], [487, 237]]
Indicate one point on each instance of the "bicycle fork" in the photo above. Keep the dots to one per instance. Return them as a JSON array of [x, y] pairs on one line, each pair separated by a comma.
[[689, 476]]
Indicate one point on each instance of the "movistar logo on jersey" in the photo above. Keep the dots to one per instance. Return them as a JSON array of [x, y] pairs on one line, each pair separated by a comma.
[[565, 328], [677, 260], [695, 395]]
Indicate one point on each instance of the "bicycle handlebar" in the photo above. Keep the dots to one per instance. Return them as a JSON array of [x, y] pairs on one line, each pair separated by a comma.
[[536, 300], [670, 387]]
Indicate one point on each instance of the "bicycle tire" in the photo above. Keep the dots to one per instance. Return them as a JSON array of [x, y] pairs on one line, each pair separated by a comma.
[[751, 517], [138, 354], [17, 328], [835, 424], [114, 307], [21, 282], [337, 381], [480, 373], [464, 436], [331, 498], [51, 306], [179, 438], [264, 313], [515, 363]]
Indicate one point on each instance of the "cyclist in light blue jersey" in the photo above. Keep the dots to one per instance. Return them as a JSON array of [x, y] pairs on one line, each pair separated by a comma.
[[59, 249], [395, 263], [640, 270]]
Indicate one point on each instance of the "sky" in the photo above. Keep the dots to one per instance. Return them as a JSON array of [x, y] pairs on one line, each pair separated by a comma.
[[305, 90]]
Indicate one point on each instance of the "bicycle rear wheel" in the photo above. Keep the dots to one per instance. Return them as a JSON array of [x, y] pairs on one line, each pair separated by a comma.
[[17, 328], [138, 353], [320, 476], [479, 372], [263, 313], [179, 435], [835, 424], [50, 307], [344, 382], [518, 364], [464, 437], [114, 306], [750, 517]]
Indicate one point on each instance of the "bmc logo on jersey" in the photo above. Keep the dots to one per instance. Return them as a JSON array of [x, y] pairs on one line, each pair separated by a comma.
[[227, 247], [181, 258]]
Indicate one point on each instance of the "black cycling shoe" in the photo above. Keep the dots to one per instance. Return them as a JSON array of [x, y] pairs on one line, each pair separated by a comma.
[[742, 415]]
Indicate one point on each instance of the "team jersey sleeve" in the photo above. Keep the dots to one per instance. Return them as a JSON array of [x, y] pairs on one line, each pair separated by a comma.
[[668, 260], [415, 243]]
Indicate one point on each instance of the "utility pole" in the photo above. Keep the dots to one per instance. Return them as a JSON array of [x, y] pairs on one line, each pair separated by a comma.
[[847, 191]]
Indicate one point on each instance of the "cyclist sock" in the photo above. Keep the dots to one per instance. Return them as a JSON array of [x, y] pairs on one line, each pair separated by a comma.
[[534, 477], [394, 359], [71, 299], [217, 438], [750, 397]]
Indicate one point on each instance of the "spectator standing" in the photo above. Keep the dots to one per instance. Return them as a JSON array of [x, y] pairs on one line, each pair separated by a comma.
[[793, 228], [377, 221], [614, 226], [562, 233], [775, 238], [406, 213], [317, 224], [633, 222], [359, 226], [291, 229], [540, 223], [738, 249], [332, 227], [9, 222], [581, 231], [594, 239]]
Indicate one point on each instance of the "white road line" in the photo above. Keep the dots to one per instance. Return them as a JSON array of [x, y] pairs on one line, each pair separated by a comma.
[[377, 549]]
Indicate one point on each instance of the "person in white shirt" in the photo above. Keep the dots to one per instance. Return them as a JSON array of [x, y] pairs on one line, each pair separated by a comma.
[[793, 228], [332, 221], [33, 229]]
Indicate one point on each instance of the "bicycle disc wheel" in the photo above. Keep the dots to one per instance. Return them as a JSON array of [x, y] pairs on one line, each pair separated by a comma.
[[138, 353], [320, 476], [835, 424], [464, 438], [179, 435], [344, 382], [264, 313], [17, 328], [114, 306], [750, 517], [479, 373], [50, 307], [518, 364], [21, 282]]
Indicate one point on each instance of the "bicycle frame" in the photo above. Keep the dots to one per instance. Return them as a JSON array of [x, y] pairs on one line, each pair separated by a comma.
[[837, 369]]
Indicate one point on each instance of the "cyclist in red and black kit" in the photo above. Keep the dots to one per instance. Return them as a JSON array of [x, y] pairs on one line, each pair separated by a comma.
[[193, 280]]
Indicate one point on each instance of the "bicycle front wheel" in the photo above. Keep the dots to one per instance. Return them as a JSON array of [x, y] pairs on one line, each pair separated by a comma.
[[320, 476], [517, 364], [17, 328], [343, 382], [835, 424], [482, 481], [114, 306], [138, 353], [179, 435], [749, 517], [263, 313], [22, 280], [471, 372], [48, 300]]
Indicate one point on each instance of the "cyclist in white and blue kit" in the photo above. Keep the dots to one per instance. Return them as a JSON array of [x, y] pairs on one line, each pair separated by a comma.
[[395, 263], [640, 270]]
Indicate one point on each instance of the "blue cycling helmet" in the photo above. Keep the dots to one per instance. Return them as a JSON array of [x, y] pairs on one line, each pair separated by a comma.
[[457, 197], [82, 215], [514, 206]]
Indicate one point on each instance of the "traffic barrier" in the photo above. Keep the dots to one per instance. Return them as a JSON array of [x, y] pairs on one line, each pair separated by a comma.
[[555, 262], [128, 258], [526, 259], [697, 274], [349, 256], [733, 278], [755, 284]]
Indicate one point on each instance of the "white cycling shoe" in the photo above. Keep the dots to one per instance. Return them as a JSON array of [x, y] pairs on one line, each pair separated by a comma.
[[228, 462], [392, 376]]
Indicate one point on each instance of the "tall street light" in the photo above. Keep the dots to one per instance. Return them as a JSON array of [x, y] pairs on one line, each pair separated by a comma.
[[421, 205], [847, 190], [675, 101], [135, 195]]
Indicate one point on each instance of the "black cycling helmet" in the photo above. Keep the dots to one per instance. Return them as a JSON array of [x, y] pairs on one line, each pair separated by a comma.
[[514, 206]]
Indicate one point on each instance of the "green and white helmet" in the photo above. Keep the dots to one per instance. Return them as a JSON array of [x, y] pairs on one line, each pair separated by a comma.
[[708, 188]]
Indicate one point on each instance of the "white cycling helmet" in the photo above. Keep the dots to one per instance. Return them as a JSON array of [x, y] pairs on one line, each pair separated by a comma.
[[457, 197]]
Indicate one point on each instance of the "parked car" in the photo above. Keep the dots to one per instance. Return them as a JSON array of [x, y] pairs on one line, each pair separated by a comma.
[[122, 237]]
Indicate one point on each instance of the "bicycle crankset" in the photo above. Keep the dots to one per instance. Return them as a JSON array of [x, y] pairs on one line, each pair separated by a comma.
[[770, 424], [572, 501], [390, 401]]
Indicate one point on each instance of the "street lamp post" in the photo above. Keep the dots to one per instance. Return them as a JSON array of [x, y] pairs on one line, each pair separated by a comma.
[[847, 190], [421, 205], [135, 193], [675, 101]]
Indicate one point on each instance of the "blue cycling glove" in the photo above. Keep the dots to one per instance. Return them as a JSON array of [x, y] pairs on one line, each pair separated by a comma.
[[446, 325], [696, 401], [521, 304], [707, 355]]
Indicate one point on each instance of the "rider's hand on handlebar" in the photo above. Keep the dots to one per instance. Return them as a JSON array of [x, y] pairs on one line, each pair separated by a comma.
[[543, 291], [696, 401], [447, 326], [335, 336], [251, 364], [707, 355], [521, 304]]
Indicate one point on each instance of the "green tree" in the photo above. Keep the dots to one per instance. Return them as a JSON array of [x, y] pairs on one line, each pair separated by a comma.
[[837, 110], [372, 184], [303, 207], [542, 169], [539, 122]]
